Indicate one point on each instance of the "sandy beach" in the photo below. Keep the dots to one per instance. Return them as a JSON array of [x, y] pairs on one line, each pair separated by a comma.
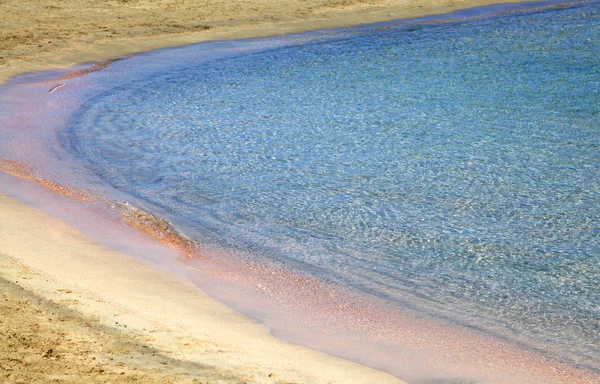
[[43, 34], [73, 310]]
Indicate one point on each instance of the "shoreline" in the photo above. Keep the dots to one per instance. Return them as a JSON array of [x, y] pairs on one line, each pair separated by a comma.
[[60, 47], [27, 234], [149, 307], [249, 364]]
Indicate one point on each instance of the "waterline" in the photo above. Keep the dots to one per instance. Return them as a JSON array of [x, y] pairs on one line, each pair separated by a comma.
[[388, 182]]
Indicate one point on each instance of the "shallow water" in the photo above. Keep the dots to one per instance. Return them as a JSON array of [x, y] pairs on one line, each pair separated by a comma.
[[450, 169]]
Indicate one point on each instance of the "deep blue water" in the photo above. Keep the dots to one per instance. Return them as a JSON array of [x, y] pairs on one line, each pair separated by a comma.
[[457, 163]]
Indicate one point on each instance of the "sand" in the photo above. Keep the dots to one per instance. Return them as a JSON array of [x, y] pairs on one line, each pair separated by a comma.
[[69, 299], [73, 310], [43, 34]]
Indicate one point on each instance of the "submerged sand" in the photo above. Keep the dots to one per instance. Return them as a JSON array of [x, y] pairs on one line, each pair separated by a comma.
[[73, 310]]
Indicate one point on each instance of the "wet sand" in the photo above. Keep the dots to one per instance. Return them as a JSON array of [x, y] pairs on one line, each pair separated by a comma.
[[75, 311]]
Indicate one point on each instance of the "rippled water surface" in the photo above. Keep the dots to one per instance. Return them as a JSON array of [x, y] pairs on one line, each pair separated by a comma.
[[457, 163]]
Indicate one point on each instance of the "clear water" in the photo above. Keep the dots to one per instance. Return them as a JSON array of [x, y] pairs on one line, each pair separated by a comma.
[[452, 168]]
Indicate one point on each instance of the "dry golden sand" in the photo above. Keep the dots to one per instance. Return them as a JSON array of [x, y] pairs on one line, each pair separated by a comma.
[[43, 34], [45, 341], [72, 310]]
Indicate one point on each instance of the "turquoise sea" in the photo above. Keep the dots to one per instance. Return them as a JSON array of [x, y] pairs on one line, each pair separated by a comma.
[[444, 167]]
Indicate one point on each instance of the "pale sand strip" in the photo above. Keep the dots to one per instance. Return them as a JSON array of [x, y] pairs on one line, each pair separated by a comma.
[[156, 307]]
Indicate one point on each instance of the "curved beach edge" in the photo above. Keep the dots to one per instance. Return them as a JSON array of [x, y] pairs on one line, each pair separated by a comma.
[[115, 300], [111, 30], [77, 311]]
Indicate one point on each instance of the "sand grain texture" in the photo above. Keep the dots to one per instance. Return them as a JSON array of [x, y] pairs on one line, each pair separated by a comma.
[[46, 342], [43, 34]]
